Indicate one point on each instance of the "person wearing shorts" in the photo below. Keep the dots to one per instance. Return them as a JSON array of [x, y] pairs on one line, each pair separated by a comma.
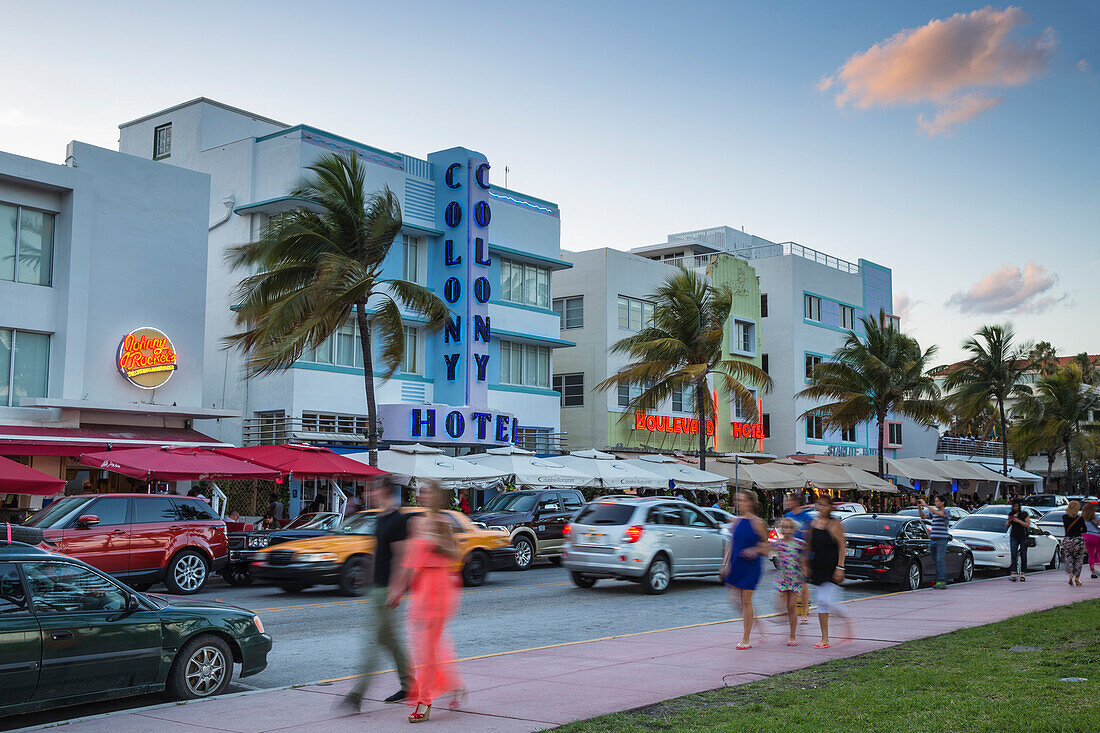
[[823, 562]]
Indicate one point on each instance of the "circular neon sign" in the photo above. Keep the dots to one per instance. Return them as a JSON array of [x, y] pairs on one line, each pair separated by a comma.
[[146, 358]]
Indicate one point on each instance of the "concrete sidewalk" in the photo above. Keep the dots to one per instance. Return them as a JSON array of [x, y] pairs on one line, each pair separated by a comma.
[[545, 687]]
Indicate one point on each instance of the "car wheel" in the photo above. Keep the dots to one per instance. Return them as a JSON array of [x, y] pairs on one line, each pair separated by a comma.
[[913, 576], [293, 588], [353, 575], [582, 581], [657, 576], [187, 573], [967, 571], [525, 552], [204, 667], [1056, 558], [237, 575], [476, 569]]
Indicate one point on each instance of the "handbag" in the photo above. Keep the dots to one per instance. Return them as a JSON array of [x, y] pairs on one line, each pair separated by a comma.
[[1031, 542]]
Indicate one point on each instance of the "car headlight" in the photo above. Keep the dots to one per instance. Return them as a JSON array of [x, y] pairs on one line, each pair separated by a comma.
[[258, 541], [317, 557], [258, 624]]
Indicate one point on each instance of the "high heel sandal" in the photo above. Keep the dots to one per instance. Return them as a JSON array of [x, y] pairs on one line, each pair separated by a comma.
[[458, 700], [420, 717]]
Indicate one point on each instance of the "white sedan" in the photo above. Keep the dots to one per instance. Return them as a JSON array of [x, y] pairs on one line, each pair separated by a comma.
[[987, 537]]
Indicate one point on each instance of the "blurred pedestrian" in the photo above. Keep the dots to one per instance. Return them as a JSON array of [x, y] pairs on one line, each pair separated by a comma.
[[802, 516], [938, 534], [431, 562], [464, 502], [744, 559], [275, 509], [383, 625], [1092, 536], [823, 563], [1073, 544], [353, 505], [789, 583], [1019, 524]]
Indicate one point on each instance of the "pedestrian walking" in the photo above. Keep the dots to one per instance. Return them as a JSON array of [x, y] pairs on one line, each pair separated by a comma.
[[1092, 536], [383, 624], [743, 562], [823, 564], [938, 535], [802, 516], [431, 565], [1020, 523], [1073, 544], [789, 583]]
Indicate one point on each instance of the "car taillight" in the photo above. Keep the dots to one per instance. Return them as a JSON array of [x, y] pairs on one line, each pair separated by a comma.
[[566, 530], [883, 549], [633, 534], [982, 547]]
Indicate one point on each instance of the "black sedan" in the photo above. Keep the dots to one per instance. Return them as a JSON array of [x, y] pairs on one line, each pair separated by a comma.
[[243, 545], [891, 548]]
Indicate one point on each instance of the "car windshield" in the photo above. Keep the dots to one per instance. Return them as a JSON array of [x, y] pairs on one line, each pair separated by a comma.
[[909, 511], [1040, 500], [316, 521], [511, 502], [1001, 509], [979, 523], [60, 512], [609, 513], [359, 524], [1054, 517], [864, 524], [302, 520]]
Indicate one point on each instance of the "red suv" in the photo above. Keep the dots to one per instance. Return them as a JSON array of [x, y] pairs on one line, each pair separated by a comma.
[[140, 538]]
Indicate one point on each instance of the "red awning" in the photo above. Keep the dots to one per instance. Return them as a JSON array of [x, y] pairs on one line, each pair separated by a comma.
[[15, 478], [175, 464], [302, 460], [25, 440]]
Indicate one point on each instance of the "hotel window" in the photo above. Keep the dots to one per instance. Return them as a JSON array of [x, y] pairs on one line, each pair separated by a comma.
[[571, 311], [24, 364], [343, 348], [317, 422], [763, 305], [410, 253], [634, 314], [26, 245], [848, 435], [162, 141], [571, 389], [744, 337], [683, 399], [893, 433], [524, 283], [766, 422], [815, 427], [812, 360], [847, 317], [812, 308], [764, 363], [410, 362], [524, 365], [740, 415], [892, 322], [624, 395]]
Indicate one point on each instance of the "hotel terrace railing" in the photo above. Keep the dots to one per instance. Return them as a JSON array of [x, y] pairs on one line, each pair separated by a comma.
[[970, 447], [769, 250]]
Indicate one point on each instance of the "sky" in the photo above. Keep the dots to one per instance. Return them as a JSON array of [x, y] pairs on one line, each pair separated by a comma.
[[954, 143]]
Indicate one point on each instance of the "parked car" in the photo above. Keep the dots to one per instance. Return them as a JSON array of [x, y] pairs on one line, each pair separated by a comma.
[[343, 558], [1052, 522], [649, 540], [1083, 499], [721, 516], [535, 520], [954, 513], [140, 538], [243, 544], [1046, 502], [987, 537], [71, 634], [1002, 510], [895, 549]]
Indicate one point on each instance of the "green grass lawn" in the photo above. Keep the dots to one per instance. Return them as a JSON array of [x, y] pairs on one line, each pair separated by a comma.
[[963, 681]]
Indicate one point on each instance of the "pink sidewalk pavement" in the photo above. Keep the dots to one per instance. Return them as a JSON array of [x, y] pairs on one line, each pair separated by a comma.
[[545, 687]]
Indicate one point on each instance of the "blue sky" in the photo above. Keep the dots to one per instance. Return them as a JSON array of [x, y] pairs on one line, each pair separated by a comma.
[[641, 119]]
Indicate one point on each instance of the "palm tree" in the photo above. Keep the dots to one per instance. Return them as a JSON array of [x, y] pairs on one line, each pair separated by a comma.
[[993, 373], [316, 266], [868, 379], [682, 347]]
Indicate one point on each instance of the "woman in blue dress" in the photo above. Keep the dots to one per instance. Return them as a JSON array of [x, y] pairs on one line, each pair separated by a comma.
[[744, 559]]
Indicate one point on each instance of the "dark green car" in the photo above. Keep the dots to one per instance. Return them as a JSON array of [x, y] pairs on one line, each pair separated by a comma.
[[70, 634]]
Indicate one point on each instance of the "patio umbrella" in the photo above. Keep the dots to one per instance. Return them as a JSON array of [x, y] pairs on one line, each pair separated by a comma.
[[15, 478], [175, 464], [854, 478], [745, 474], [679, 475], [527, 469], [610, 472], [302, 460], [416, 461], [919, 469]]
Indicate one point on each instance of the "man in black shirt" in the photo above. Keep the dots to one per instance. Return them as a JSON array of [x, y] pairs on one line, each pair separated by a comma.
[[383, 626]]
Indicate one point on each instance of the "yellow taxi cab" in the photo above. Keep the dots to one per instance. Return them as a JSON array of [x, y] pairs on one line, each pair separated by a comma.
[[343, 558]]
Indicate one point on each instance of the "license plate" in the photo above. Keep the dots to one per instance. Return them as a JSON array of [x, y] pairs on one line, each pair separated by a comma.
[[850, 552]]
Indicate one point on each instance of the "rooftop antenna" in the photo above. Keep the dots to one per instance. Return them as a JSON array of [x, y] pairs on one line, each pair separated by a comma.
[[506, 169]]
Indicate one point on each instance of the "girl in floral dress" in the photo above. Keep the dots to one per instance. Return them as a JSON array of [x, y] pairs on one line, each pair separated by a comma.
[[788, 576]]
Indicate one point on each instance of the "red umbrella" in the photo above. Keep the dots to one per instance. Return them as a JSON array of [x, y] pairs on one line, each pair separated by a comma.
[[302, 460], [175, 464], [15, 478]]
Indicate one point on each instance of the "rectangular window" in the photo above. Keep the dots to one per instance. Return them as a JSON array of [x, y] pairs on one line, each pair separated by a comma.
[[410, 363], [892, 322], [26, 245], [813, 308], [740, 415], [764, 363], [812, 360], [524, 365], [162, 141], [24, 365], [634, 314], [893, 436], [624, 395], [410, 252], [524, 283], [815, 427], [744, 337], [683, 399], [766, 421], [848, 436], [571, 389], [763, 305], [847, 317], [570, 311]]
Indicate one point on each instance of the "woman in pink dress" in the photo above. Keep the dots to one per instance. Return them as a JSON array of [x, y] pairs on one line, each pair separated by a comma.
[[432, 562]]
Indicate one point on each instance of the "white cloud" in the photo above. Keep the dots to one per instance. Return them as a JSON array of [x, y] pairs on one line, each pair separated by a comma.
[[1009, 289]]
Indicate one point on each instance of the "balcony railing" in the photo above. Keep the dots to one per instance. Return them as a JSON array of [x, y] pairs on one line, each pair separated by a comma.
[[689, 262], [276, 430], [768, 250], [970, 447]]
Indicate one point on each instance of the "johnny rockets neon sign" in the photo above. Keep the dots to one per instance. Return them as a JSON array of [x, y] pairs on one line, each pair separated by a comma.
[[146, 358]]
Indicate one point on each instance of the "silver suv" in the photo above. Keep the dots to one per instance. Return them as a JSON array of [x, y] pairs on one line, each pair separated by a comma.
[[649, 540]]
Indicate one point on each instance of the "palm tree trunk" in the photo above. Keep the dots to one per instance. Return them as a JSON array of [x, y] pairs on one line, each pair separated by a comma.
[[700, 415], [368, 382], [881, 446], [1050, 470], [1004, 438], [1070, 478]]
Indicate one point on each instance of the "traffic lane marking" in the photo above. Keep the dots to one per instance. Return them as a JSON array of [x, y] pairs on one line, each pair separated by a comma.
[[354, 601]]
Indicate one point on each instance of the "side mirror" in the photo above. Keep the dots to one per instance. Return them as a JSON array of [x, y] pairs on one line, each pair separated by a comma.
[[87, 520], [132, 603]]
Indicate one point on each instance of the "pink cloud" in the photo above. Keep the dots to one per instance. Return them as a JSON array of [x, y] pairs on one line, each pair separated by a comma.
[[947, 63], [1009, 289], [904, 305], [1084, 66]]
